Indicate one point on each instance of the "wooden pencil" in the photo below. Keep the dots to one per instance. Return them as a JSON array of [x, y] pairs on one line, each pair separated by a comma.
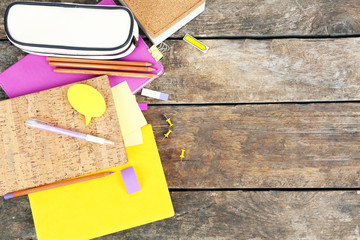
[[56, 184], [102, 66], [94, 61], [109, 73]]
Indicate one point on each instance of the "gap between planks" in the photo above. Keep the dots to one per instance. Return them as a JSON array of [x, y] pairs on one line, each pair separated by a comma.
[[264, 189]]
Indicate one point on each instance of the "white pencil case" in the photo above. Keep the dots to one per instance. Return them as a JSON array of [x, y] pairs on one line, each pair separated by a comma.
[[72, 30]]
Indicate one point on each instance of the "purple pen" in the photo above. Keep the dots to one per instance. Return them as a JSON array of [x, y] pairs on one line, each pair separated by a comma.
[[34, 123]]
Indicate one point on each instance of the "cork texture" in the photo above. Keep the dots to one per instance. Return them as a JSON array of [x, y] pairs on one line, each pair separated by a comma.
[[32, 157], [156, 16]]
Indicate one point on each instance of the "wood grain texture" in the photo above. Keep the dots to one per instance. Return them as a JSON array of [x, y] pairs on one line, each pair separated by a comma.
[[228, 215], [234, 18], [244, 18], [32, 157], [260, 146], [281, 70]]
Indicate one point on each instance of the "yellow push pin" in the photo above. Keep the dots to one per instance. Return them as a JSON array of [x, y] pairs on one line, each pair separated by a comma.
[[168, 120], [167, 134], [182, 154]]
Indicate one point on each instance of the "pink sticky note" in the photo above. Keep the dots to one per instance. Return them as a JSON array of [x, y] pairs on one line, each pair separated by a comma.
[[33, 74], [143, 106]]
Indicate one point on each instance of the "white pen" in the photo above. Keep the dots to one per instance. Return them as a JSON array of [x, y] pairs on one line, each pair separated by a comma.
[[34, 123]]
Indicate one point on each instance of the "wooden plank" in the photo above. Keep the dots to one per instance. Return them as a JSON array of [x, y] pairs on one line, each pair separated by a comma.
[[235, 71], [282, 70], [32, 157], [234, 18], [228, 215], [260, 146]]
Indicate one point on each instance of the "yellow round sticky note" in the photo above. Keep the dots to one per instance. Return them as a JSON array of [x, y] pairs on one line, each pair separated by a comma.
[[86, 100]]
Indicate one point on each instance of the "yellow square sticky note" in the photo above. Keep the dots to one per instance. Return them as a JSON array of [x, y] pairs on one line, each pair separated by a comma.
[[130, 116], [102, 206], [134, 138]]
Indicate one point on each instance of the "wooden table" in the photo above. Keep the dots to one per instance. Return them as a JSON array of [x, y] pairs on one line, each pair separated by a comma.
[[269, 118]]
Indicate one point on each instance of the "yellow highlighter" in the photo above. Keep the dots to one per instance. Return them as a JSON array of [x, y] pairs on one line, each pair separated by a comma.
[[195, 43]]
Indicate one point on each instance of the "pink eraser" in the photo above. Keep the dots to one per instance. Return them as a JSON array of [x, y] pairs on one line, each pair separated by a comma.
[[130, 180], [143, 106]]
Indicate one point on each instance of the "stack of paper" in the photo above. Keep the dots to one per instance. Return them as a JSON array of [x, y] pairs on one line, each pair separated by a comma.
[[103, 206], [98, 207]]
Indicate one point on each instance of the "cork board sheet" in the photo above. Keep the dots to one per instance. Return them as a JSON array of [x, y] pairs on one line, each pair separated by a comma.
[[157, 16], [32, 157]]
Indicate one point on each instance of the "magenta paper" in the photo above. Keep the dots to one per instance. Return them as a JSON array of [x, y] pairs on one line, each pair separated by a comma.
[[33, 74], [143, 106]]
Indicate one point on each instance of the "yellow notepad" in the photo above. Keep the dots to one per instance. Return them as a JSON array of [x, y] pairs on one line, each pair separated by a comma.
[[98, 207]]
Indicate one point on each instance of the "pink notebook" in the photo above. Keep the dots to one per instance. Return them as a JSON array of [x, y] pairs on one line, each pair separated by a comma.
[[33, 74]]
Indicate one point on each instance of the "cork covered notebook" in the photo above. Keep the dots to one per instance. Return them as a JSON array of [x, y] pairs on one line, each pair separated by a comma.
[[32, 157], [161, 18]]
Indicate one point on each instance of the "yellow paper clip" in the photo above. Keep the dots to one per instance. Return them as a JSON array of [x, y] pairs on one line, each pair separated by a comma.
[[167, 134], [195, 43], [168, 120], [182, 154], [155, 52]]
